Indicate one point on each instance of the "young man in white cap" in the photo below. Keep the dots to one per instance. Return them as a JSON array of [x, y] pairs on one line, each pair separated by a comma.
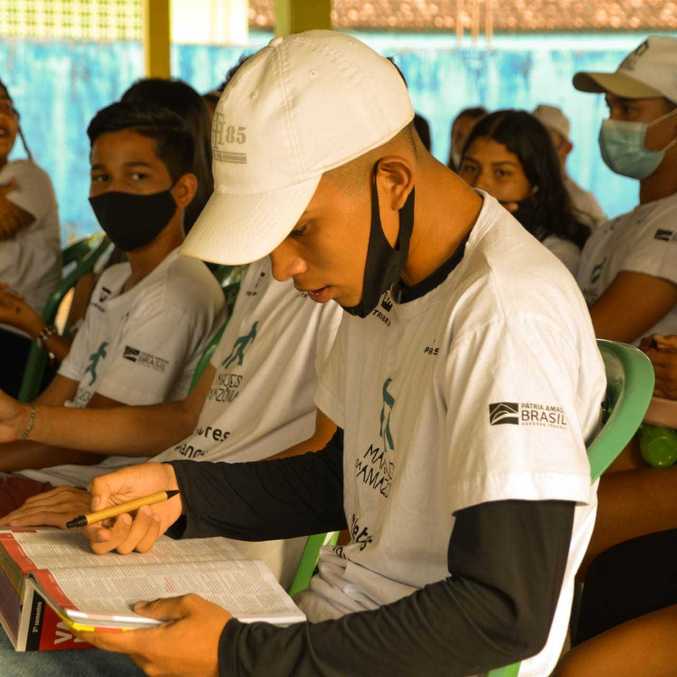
[[628, 268], [557, 123], [465, 388]]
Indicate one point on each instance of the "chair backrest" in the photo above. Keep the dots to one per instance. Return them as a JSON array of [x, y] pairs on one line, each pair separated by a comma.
[[75, 252], [630, 383], [37, 357], [207, 355], [309, 558]]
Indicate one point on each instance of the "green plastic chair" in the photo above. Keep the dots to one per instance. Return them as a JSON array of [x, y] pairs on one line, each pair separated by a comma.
[[630, 383], [229, 277], [75, 252], [309, 558], [37, 357], [207, 355]]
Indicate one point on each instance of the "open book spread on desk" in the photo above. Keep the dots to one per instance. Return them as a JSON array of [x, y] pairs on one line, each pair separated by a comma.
[[51, 584]]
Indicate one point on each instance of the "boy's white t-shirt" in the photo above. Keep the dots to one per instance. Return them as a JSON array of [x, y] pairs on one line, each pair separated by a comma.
[[30, 260], [485, 389], [585, 204], [641, 241], [139, 347], [261, 400]]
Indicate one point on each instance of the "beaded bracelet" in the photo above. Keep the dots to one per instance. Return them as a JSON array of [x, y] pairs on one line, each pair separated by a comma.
[[31, 422], [44, 335]]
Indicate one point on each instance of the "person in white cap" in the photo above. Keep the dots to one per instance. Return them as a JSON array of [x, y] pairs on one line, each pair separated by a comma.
[[559, 127], [464, 379], [628, 268]]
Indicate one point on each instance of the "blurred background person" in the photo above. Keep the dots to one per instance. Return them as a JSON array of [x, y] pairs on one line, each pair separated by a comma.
[[584, 202], [461, 127], [509, 154], [30, 246]]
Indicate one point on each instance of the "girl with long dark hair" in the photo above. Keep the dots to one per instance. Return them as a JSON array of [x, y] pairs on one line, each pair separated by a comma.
[[510, 155]]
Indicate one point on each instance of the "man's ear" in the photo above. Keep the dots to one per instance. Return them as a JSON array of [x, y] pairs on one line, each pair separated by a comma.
[[184, 189], [395, 180]]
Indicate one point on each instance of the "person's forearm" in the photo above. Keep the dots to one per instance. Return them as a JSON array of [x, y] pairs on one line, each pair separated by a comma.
[[265, 500], [59, 346], [25, 455], [419, 635], [508, 559], [126, 431]]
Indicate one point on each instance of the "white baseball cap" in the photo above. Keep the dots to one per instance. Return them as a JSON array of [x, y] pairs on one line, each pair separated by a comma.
[[649, 71], [553, 118], [303, 105]]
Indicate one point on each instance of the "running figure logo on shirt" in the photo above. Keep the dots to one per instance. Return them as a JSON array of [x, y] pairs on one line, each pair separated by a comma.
[[386, 410], [241, 344], [94, 360]]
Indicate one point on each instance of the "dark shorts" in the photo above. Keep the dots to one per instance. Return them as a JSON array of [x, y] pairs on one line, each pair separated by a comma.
[[14, 350], [15, 489], [627, 581]]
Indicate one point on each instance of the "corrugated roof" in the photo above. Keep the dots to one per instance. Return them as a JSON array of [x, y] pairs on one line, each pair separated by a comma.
[[504, 15]]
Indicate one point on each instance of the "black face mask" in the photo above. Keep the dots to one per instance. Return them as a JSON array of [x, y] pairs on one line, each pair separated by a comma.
[[132, 221], [384, 264]]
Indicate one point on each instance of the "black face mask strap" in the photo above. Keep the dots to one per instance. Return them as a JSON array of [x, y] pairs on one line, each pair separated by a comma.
[[406, 223]]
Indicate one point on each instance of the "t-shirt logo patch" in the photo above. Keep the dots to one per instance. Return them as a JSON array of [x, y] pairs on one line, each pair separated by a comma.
[[527, 414], [665, 235], [504, 412], [386, 411], [144, 359], [131, 354], [94, 360], [241, 344], [385, 305]]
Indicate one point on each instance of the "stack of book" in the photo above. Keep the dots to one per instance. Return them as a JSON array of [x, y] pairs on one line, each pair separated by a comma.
[[52, 584]]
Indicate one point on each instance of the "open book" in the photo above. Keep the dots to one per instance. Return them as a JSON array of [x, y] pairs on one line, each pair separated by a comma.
[[51, 584]]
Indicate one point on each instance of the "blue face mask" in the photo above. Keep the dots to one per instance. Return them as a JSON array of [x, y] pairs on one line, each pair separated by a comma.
[[623, 149]]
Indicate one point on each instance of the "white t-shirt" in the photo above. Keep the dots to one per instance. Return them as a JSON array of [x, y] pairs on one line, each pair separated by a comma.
[[261, 399], [485, 389], [141, 346], [565, 250], [585, 204], [641, 241], [30, 261]]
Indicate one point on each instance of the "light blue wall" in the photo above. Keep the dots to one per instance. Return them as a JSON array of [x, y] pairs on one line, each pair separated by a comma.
[[58, 86]]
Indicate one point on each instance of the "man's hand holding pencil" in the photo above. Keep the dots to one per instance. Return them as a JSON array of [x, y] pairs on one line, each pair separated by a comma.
[[137, 530]]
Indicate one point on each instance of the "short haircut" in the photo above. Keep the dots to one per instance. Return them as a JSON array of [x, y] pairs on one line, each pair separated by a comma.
[[472, 112], [178, 96], [173, 141]]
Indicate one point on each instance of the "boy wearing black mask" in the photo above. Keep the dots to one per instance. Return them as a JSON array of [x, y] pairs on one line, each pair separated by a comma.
[[149, 320]]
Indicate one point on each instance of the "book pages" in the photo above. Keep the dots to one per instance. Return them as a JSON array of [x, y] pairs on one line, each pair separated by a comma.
[[93, 595]]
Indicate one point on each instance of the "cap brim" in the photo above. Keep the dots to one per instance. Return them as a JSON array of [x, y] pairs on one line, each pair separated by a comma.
[[238, 229], [614, 83]]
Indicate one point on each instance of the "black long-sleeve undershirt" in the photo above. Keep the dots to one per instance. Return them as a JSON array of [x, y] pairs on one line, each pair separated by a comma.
[[506, 558]]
